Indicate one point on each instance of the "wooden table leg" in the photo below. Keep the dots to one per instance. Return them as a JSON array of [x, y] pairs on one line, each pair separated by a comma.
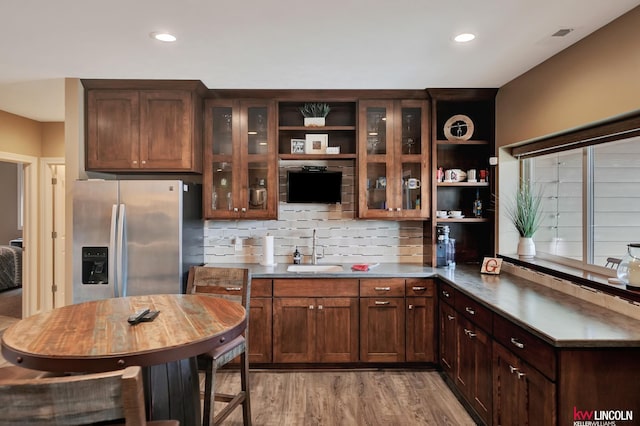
[[172, 391]]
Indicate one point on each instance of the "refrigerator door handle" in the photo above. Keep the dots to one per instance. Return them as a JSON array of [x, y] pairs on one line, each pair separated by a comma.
[[112, 250], [121, 289]]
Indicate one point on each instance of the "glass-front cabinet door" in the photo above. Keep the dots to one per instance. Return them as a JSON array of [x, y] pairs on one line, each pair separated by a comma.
[[240, 174], [393, 159]]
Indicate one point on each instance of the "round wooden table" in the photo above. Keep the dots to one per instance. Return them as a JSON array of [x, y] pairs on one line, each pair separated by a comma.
[[95, 336]]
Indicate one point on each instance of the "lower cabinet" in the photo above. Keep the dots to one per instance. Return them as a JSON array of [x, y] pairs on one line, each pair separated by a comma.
[[473, 372], [315, 329], [382, 320], [260, 325], [522, 395], [448, 339], [420, 320]]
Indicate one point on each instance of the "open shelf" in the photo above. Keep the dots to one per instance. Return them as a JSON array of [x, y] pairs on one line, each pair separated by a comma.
[[317, 156]]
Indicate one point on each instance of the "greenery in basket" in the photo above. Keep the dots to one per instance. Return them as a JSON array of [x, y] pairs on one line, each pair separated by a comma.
[[525, 211], [315, 110]]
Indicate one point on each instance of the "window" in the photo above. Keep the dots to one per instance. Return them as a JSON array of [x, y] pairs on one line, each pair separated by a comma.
[[591, 201]]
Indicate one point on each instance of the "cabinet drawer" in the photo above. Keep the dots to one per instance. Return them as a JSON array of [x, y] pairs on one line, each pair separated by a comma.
[[477, 313], [419, 287], [382, 288], [261, 287], [315, 287], [525, 345], [447, 293]]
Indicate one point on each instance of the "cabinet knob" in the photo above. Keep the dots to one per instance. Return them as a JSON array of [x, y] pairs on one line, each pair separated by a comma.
[[383, 288], [517, 344], [390, 209], [512, 369], [235, 209], [319, 307], [470, 333], [135, 161], [446, 294], [450, 317], [310, 306], [144, 162], [416, 288], [398, 209], [233, 288], [410, 307], [244, 210], [520, 374], [381, 303], [469, 310]]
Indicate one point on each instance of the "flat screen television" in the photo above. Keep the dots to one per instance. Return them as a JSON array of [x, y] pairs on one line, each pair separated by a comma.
[[314, 187]]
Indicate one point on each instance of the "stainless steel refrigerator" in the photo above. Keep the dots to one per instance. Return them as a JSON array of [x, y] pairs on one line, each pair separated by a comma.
[[134, 237]]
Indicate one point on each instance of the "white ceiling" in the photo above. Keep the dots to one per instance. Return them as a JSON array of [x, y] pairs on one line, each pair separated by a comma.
[[281, 44]]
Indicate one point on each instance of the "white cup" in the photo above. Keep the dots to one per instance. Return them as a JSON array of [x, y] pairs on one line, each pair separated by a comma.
[[441, 213], [455, 213], [471, 175], [413, 183], [449, 175]]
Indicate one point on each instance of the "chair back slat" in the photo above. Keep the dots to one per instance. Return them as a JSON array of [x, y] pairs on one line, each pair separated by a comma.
[[228, 283], [78, 399]]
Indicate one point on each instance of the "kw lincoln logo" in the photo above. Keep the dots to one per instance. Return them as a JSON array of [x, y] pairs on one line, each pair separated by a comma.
[[601, 417]]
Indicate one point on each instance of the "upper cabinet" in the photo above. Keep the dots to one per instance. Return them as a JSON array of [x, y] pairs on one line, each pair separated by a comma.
[[393, 159], [463, 124], [240, 173], [143, 126]]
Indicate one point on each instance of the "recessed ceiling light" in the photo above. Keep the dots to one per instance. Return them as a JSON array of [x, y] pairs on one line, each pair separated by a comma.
[[465, 37], [166, 37]]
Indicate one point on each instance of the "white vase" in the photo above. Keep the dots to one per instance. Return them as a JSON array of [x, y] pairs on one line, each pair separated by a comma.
[[314, 121], [526, 248]]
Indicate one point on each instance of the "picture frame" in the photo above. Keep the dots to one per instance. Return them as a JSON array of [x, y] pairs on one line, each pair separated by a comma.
[[298, 146], [316, 143]]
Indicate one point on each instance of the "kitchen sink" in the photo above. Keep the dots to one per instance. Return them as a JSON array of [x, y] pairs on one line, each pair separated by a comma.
[[314, 268]]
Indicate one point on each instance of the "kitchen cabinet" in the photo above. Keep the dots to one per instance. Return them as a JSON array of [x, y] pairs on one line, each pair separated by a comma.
[[447, 322], [473, 234], [420, 320], [240, 172], [382, 320], [143, 130], [522, 395], [260, 321], [393, 159], [315, 320]]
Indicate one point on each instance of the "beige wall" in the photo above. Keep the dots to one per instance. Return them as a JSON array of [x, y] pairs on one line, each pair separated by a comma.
[[53, 140], [20, 135], [8, 198], [596, 78]]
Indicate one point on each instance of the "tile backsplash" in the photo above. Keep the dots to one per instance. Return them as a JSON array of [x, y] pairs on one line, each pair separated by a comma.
[[341, 237]]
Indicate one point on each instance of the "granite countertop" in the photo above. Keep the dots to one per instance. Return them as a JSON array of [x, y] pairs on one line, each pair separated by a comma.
[[559, 319]]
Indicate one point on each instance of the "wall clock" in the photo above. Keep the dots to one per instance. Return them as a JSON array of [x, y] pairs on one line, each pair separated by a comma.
[[458, 128]]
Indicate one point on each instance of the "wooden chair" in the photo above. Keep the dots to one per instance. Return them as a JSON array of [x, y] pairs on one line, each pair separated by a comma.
[[76, 400], [234, 284]]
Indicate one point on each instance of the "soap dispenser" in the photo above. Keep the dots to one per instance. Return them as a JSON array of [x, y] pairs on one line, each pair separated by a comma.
[[297, 257]]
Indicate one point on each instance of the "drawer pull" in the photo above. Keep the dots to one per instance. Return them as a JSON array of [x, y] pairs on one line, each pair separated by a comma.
[[512, 369], [416, 288], [470, 333], [410, 307], [310, 306], [520, 375], [383, 288], [233, 288], [470, 311], [319, 307], [517, 344], [450, 317], [446, 294], [381, 303]]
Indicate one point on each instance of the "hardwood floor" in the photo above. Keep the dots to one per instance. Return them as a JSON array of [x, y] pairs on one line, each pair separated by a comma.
[[369, 397]]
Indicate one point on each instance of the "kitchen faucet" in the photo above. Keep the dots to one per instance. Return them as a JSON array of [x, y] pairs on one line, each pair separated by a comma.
[[314, 253]]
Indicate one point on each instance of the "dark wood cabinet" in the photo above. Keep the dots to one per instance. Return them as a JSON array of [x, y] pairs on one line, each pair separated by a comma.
[[447, 342], [522, 395], [315, 329], [420, 320], [240, 173], [473, 369], [474, 235], [393, 159], [260, 322], [143, 130], [382, 320]]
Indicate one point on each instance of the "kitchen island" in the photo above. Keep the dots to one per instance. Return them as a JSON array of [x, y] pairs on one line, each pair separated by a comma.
[[512, 349]]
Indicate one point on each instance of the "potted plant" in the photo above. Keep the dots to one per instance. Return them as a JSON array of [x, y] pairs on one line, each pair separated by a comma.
[[314, 113], [525, 212]]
